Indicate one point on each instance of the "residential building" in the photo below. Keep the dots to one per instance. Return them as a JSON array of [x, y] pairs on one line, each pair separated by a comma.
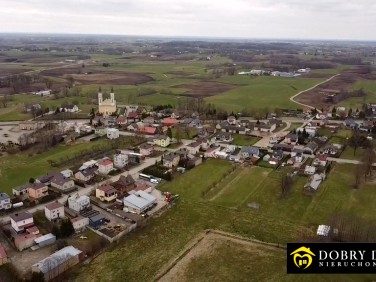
[[62, 183], [121, 120], [291, 138], [106, 193], [120, 160], [162, 141], [113, 133], [310, 170], [234, 129], [248, 152], [314, 182], [139, 202], [171, 160], [69, 108], [224, 137], [79, 223], [78, 203], [105, 166], [194, 147], [169, 121], [124, 184], [231, 120], [146, 149], [54, 211], [20, 221], [58, 262], [5, 203], [211, 152], [149, 130], [321, 160], [37, 190], [21, 192], [264, 127], [86, 174], [311, 147]]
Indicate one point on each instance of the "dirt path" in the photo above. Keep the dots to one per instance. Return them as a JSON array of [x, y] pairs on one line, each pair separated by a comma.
[[309, 89], [204, 244]]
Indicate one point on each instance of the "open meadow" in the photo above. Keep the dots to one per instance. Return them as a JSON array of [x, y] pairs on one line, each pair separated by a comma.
[[213, 197]]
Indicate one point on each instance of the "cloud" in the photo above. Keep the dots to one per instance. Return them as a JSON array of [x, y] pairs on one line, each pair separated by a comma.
[[318, 19]]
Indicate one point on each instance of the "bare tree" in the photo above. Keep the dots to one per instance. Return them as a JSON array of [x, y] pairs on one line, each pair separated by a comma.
[[369, 159], [286, 184], [5, 100], [48, 82], [70, 81], [358, 172]]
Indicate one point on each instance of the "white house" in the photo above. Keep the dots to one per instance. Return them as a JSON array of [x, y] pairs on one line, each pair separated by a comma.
[[113, 133], [53, 211], [22, 220], [120, 160], [79, 223], [43, 93], [78, 203], [139, 202], [105, 166], [5, 203]]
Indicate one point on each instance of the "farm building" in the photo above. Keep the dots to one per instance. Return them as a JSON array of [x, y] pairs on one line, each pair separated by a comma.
[[58, 262]]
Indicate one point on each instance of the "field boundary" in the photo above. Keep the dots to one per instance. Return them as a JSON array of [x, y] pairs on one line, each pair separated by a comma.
[[195, 241]]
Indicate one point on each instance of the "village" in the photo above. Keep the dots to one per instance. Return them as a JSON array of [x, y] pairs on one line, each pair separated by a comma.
[[112, 195]]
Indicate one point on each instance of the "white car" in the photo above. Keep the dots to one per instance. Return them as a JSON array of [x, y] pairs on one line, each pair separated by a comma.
[[155, 181]]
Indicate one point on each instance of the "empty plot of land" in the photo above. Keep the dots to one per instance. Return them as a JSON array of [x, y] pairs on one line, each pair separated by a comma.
[[206, 88], [219, 257], [11, 71], [238, 187], [180, 73]]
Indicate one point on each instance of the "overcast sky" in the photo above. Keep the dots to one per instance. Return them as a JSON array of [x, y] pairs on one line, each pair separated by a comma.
[[293, 19]]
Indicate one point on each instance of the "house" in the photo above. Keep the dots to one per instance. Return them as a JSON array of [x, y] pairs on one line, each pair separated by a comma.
[[330, 149], [148, 130], [349, 122], [24, 241], [133, 117], [298, 157], [283, 147], [121, 120], [106, 193], [143, 187], [78, 203], [54, 211], [221, 155], [314, 182], [195, 123], [277, 122], [120, 160], [101, 130], [146, 149], [79, 223], [195, 161], [124, 184], [69, 108], [28, 125], [149, 120], [132, 127], [62, 183], [43, 93], [37, 190], [162, 141], [311, 131], [32, 107], [248, 152], [224, 137], [231, 120], [139, 202], [58, 262], [311, 147], [310, 170], [321, 160], [230, 149], [171, 160], [20, 221], [21, 192], [169, 121], [210, 152], [113, 133], [291, 138], [105, 166], [194, 147], [234, 129], [203, 133], [5, 203], [263, 127], [85, 174], [3, 255]]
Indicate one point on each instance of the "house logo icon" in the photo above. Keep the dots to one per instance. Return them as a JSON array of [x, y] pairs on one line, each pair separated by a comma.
[[302, 257]]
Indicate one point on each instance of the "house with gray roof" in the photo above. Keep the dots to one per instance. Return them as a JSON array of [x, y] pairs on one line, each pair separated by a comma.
[[5, 203], [311, 147], [62, 183], [171, 160], [139, 202], [249, 152], [314, 182]]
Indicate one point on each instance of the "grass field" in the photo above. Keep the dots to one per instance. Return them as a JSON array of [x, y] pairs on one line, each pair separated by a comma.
[[369, 86], [37, 165], [242, 140], [262, 92], [278, 220]]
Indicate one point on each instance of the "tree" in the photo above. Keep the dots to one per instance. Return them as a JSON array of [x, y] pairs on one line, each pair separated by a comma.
[[48, 82], [57, 111], [286, 184], [169, 132], [349, 114], [5, 100], [36, 277], [178, 133], [66, 228], [70, 81], [31, 180], [369, 159], [56, 231], [334, 111]]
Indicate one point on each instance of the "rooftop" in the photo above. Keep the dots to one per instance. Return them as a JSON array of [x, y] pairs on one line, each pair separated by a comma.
[[53, 206], [21, 216]]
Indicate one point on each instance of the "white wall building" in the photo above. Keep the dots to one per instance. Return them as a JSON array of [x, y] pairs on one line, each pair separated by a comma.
[[120, 160], [22, 220], [78, 203], [79, 223], [113, 133], [54, 211]]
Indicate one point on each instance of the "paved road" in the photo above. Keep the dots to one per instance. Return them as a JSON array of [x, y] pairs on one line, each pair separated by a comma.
[[309, 89]]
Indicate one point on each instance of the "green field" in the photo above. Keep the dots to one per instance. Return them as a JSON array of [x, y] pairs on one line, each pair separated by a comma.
[[369, 86], [278, 220], [242, 140], [262, 92]]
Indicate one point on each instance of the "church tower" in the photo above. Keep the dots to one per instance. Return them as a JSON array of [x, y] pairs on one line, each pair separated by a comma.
[[112, 96], [100, 96]]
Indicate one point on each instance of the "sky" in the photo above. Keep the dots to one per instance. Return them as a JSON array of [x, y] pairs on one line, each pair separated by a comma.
[[282, 19]]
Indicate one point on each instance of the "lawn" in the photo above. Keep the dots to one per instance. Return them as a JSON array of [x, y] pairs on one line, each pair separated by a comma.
[[349, 154], [262, 92], [369, 86], [37, 165], [243, 140]]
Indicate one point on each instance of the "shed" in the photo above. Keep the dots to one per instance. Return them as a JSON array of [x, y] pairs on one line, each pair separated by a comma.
[[45, 240], [97, 220]]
